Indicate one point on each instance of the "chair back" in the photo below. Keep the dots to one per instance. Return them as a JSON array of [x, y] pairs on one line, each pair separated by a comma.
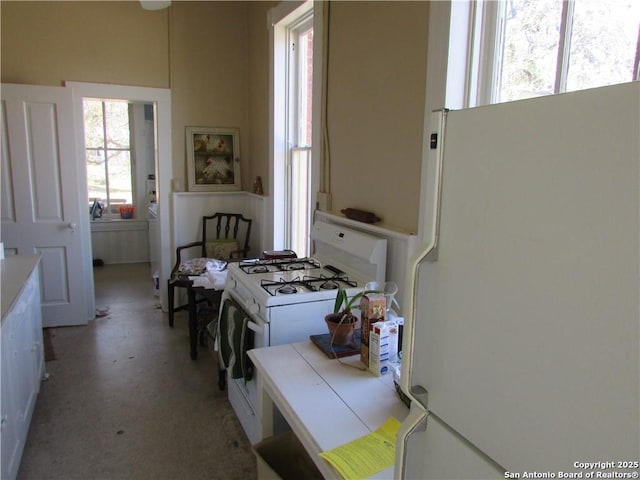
[[226, 235]]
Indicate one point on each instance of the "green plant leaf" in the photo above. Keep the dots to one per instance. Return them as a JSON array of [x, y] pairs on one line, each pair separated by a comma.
[[359, 295], [341, 297]]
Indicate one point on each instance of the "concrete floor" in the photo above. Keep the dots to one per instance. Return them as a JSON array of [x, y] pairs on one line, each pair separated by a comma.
[[125, 401]]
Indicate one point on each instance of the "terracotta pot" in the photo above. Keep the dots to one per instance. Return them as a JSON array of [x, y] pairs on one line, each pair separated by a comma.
[[341, 333]]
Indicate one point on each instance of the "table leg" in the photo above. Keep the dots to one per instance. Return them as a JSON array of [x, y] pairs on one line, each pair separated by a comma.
[[265, 410], [170, 292], [193, 324], [222, 378]]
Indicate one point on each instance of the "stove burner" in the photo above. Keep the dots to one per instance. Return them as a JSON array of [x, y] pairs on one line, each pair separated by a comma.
[[282, 286], [287, 290], [293, 266], [285, 264], [329, 285], [306, 284]]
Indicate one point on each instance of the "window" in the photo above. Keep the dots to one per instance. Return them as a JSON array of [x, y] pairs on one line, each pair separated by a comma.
[[298, 172], [293, 86], [108, 154], [528, 48]]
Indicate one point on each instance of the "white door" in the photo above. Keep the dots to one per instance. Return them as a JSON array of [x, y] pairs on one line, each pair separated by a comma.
[[41, 205]]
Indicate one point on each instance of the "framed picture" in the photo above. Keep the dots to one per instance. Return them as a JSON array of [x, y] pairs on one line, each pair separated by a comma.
[[213, 159]]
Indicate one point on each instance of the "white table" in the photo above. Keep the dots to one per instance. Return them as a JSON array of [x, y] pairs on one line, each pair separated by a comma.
[[326, 404]]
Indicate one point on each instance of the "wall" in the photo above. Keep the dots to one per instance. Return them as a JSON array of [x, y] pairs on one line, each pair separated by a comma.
[[214, 57], [377, 74], [46, 43], [209, 74], [190, 207], [259, 93], [198, 49], [120, 241], [376, 91]]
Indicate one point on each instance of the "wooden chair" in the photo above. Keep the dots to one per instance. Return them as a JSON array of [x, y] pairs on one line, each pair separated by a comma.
[[225, 236]]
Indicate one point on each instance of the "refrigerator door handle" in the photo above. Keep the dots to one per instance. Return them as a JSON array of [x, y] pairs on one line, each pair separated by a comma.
[[434, 194], [420, 394], [431, 232], [415, 422]]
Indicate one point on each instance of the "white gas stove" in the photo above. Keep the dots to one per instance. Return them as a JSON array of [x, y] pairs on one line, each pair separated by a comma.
[[287, 299], [343, 259]]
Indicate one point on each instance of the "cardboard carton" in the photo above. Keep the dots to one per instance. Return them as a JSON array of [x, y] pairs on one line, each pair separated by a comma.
[[372, 309], [383, 347]]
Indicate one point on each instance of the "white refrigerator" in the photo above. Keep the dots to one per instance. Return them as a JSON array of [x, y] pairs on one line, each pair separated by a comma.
[[522, 311]]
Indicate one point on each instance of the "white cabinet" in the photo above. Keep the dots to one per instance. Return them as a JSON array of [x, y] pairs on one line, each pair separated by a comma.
[[8, 430], [22, 356]]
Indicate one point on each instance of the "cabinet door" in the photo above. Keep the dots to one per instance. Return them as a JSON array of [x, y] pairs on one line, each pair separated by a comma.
[[9, 437], [24, 366], [35, 320]]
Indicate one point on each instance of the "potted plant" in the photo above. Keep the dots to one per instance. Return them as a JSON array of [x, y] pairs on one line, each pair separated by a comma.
[[342, 322]]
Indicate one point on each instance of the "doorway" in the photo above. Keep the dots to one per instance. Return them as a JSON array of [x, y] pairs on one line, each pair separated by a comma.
[[160, 100], [120, 161]]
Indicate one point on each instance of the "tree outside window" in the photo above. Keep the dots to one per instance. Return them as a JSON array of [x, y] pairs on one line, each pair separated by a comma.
[[108, 154], [551, 46]]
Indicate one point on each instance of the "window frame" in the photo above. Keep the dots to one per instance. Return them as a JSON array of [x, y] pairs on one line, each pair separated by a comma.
[[281, 17], [485, 37], [108, 212], [295, 145]]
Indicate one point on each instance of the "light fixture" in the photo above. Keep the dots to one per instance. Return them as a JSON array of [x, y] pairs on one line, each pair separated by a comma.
[[155, 4]]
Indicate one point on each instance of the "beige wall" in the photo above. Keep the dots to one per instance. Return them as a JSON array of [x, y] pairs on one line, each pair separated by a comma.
[[198, 49], [209, 74], [259, 94], [377, 71], [215, 58], [46, 43]]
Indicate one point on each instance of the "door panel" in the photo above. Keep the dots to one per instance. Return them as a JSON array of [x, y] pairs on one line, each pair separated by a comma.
[[43, 202], [53, 277], [44, 162], [8, 210]]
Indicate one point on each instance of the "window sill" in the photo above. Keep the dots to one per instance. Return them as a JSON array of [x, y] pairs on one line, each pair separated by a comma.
[[118, 224]]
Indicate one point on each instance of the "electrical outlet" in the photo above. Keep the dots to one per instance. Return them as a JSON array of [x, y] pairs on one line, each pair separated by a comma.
[[324, 201]]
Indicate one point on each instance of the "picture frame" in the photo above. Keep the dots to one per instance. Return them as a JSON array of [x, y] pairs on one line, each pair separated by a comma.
[[213, 159]]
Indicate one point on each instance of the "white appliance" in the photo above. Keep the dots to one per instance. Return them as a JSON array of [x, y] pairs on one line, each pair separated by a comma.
[[522, 319], [287, 299]]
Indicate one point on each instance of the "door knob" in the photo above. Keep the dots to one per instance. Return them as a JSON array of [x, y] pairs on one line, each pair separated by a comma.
[[72, 226]]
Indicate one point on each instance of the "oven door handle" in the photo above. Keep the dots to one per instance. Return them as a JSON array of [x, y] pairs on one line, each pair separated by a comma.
[[255, 327]]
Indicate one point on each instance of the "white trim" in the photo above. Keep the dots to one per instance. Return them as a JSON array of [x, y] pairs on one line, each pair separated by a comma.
[[119, 225], [436, 86], [279, 19], [564, 46], [491, 48], [281, 11], [161, 99], [277, 132], [459, 51], [318, 102]]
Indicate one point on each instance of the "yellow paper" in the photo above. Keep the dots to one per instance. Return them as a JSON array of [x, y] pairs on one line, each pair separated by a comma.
[[366, 455]]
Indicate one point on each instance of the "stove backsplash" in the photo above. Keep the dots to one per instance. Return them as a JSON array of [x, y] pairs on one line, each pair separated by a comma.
[[401, 246]]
